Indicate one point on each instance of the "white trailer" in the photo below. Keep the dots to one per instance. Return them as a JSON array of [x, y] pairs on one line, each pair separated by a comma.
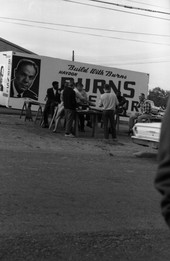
[[93, 77]]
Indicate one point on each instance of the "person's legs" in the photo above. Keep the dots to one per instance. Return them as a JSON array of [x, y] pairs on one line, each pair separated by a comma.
[[88, 119], [60, 114], [132, 119], [81, 120], [53, 106], [144, 117], [70, 116], [66, 116], [105, 124], [112, 124], [45, 115]]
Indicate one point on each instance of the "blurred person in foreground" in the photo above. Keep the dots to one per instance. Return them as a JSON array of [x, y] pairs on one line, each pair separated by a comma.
[[109, 102], [162, 180]]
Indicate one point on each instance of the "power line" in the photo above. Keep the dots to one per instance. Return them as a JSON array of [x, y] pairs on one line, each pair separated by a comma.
[[146, 4], [115, 64], [90, 34], [124, 63], [113, 9], [84, 27], [131, 7], [133, 62]]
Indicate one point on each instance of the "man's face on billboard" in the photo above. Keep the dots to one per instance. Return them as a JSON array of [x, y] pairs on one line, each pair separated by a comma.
[[24, 77]]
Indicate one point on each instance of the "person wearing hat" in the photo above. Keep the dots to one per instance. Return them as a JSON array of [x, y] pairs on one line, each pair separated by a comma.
[[52, 100]]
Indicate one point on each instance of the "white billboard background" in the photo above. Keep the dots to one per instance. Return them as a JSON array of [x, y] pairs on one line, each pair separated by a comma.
[[6, 63], [93, 77]]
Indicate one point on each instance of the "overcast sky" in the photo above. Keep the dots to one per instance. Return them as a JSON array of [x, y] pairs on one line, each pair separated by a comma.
[[99, 33]]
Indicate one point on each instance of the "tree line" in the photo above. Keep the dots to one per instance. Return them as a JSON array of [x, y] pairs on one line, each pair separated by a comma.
[[159, 96]]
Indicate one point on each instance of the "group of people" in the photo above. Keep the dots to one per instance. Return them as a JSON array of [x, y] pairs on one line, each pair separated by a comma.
[[69, 98], [73, 96]]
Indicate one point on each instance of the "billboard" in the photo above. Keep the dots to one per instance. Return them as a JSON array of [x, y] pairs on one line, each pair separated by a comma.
[[38, 75], [5, 77], [25, 77]]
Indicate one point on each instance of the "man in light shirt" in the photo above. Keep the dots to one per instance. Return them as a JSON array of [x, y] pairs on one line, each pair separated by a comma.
[[81, 95], [82, 102], [109, 102]]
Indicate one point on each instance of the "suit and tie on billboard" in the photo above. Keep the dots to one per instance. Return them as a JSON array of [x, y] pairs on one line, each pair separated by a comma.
[[25, 78]]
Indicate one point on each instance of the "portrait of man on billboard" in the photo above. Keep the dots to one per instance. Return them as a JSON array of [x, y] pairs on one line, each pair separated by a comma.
[[25, 78]]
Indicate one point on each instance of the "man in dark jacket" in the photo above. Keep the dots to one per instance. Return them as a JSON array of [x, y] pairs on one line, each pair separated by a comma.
[[162, 180], [123, 104], [69, 100], [53, 99]]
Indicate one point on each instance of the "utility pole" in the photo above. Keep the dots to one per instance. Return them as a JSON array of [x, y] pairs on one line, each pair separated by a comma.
[[73, 56]]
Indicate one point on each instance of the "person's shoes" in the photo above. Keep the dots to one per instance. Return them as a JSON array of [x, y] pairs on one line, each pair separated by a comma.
[[69, 135], [114, 139], [130, 132], [82, 130], [45, 126]]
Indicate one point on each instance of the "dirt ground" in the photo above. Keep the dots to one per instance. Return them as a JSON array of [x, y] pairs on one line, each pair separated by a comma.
[[77, 199]]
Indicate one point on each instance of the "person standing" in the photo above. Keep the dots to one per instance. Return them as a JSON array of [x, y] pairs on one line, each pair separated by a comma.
[[109, 102], [70, 104], [53, 99], [144, 112], [82, 101], [162, 179]]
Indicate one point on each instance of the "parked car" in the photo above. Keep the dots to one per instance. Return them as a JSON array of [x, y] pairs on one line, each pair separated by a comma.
[[147, 134]]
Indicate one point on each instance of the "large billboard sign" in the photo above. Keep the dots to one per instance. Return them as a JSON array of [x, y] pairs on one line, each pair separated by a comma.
[[25, 77], [5, 77], [32, 75]]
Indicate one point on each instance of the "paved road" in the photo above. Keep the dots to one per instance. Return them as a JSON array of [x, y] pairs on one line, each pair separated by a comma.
[[79, 199]]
